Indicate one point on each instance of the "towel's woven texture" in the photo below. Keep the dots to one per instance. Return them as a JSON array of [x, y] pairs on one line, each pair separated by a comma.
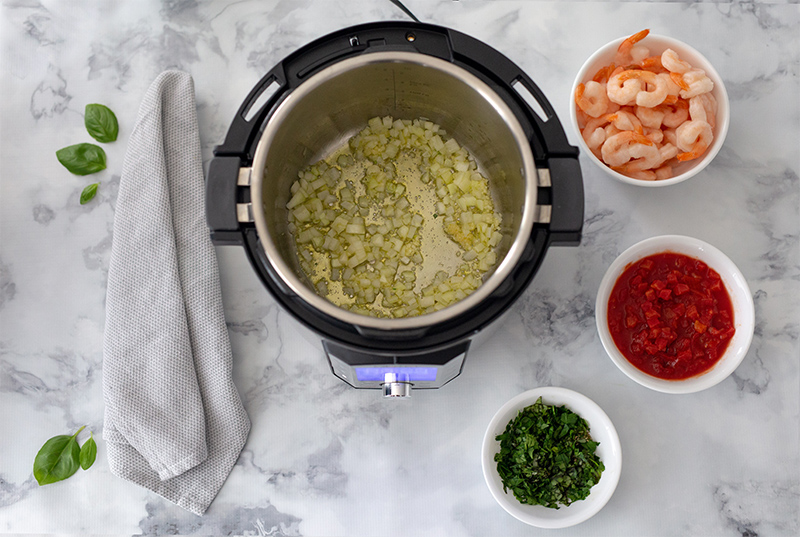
[[174, 422]]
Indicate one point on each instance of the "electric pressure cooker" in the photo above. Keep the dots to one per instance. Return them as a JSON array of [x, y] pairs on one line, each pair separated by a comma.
[[314, 101]]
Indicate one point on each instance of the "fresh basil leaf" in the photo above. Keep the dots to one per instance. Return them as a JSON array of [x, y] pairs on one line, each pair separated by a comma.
[[57, 460], [89, 192], [82, 159], [88, 453], [101, 123]]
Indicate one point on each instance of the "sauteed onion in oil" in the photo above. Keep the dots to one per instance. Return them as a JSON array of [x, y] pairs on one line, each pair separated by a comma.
[[398, 223]]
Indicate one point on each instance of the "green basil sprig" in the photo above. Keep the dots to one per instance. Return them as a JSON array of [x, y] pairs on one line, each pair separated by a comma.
[[88, 453], [85, 159], [61, 456], [101, 123], [89, 192], [82, 159]]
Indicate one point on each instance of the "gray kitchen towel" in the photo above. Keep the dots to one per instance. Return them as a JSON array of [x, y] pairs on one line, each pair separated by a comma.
[[174, 422]]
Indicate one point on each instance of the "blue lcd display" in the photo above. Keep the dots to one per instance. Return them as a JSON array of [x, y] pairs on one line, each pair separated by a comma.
[[410, 374]]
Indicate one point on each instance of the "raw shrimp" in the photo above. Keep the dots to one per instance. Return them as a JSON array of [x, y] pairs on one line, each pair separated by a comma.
[[693, 139], [693, 83], [623, 89], [627, 145], [649, 158], [592, 98], [658, 89], [598, 129], [676, 115], [697, 110], [593, 133], [667, 151], [643, 175], [625, 121], [710, 105], [663, 172], [671, 62], [624, 50], [670, 136], [657, 110], [639, 53], [654, 135], [594, 138], [582, 117], [653, 63], [611, 130], [673, 89], [650, 117], [604, 73], [651, 92]]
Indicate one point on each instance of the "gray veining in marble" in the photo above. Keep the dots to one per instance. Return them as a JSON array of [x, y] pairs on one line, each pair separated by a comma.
[[322, 458]]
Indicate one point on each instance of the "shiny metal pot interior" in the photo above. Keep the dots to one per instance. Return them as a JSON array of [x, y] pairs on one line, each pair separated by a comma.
[[335, 103]]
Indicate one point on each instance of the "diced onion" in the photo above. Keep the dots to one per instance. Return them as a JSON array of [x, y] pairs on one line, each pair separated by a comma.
[[368, 243]]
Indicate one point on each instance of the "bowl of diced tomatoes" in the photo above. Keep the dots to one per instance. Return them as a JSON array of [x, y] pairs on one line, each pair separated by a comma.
[[675, 314], [649, 110]]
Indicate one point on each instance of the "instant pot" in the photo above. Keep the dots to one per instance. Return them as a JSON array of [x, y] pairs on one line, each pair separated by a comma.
[[313, 101]]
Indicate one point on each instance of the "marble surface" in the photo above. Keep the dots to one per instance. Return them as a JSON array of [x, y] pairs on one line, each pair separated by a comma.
[[324, 459]]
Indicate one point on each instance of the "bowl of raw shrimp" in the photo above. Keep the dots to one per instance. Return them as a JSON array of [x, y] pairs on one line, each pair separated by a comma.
[[649, 110]]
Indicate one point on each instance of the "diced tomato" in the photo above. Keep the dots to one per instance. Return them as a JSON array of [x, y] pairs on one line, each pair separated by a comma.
[[727, 334], [658, 285], [687, 312], [651, 312], [654, 333], [715, 285], [683, 344], [680, 289]]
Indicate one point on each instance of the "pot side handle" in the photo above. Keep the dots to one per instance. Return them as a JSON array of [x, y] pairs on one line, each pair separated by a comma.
[[566, 222], [223, 173]]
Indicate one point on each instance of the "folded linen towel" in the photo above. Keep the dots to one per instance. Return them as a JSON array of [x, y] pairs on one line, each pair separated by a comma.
[[174, 422]]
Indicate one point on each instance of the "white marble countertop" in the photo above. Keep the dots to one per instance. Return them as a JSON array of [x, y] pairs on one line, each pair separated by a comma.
[[325, 459]]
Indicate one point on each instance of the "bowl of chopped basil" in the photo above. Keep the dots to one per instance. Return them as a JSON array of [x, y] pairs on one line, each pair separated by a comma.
[[551, 457]]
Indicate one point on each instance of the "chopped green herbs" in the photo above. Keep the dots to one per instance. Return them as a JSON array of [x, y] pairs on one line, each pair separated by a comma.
[[547, 456]]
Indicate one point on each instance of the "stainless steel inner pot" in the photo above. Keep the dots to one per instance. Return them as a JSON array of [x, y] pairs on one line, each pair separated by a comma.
[[334, 104]]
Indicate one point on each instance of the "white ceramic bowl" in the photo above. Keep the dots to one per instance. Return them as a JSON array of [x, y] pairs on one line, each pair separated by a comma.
[[609, 451], [657, 44], [735, 284]]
